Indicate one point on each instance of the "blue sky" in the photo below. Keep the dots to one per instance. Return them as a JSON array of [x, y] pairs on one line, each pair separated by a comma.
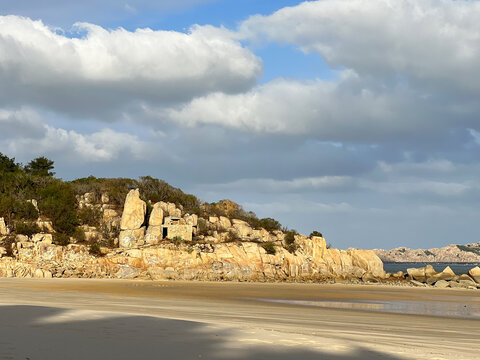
[[358, 119]]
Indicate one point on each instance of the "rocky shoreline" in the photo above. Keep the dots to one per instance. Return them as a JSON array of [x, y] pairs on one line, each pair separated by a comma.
[[169, 244]]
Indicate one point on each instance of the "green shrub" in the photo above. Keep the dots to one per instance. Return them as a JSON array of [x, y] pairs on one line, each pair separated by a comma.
[[90, 216], [289, 241], [268, 224], [79, 235], [232, 236], [9, 244], [25, 210], [428, 253], [203, 228], [58, 203], [151, 189], [109, 235], [177, 240], [61, 239], [27, 229], [269, 247], [469, 249], [158, 190], [235, 211], [94, 249], [316, 233]]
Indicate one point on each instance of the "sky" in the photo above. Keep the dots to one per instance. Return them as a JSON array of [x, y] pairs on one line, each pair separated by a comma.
[[359, 119]]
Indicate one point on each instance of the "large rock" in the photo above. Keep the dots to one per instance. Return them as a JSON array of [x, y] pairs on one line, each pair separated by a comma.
[[442, 284], [430, 271], [225, 222], [191, 220], [156, 217], [21, 238], [367, 260], [430, 275], [447, 274], [105, 198], [242, 227], [463, 284], [475, 274], [154, 234], [3, 227], [44, 238], [417, 274], [131, 238], [134, 211], [173, 211]]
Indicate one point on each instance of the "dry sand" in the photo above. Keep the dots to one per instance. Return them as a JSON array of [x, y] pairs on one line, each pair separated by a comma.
[[115, 319]]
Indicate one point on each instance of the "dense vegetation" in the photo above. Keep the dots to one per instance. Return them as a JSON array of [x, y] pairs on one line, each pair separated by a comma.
[[474, 250]]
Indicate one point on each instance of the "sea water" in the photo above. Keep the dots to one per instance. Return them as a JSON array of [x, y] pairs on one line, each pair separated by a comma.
[[458, 268]]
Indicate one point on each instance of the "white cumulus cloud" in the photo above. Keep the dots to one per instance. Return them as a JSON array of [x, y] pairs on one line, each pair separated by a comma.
[[103, 69], [429, 40]]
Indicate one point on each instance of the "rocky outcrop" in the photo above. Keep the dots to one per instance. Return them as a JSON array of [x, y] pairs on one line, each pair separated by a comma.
[[469, 253], [226, 261], [427, 276], [133, 212], [133, 218], [242, 228], [155, 222], [222, 249]]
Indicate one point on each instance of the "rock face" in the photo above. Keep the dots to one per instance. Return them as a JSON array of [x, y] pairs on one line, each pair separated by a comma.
[[224, 261], [156, 217], [131, 238], [133, 212], [242, 228], [133, 218]]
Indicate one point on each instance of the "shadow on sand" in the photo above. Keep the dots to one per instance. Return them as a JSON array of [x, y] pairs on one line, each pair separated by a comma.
[[37, 333]]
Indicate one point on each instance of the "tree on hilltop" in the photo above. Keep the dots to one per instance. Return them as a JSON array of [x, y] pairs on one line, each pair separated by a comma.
[[40, 166], [8, 165]]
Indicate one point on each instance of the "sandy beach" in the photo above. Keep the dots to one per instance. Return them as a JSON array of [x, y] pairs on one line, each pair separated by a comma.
[[114, 319]]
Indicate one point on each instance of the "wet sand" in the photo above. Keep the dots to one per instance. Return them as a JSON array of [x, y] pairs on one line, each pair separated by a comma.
[[115, 319]]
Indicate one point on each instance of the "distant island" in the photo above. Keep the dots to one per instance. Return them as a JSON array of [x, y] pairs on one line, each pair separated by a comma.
[[469, 253]]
